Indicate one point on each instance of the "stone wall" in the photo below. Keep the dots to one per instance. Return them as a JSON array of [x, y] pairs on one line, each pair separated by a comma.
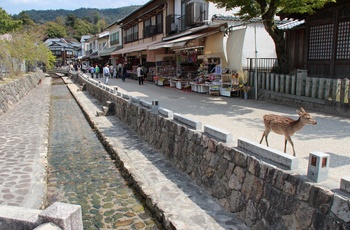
[[11, 93], [265, 196]]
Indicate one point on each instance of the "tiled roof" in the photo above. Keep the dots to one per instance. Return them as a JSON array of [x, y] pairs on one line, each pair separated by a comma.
[[282, 24]]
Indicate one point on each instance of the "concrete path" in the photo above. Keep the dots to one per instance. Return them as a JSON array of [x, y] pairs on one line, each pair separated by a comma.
[[23, 149]]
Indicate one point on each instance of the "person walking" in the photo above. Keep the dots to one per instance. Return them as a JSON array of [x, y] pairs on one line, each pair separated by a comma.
[[106, 73], [92, 71], [139, 72], [97, 70], [123, 72]]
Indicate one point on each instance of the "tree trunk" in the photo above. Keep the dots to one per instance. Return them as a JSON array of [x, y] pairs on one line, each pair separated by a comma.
[[280, 43]]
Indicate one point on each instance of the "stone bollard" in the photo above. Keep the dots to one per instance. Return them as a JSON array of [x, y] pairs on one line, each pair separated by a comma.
[[345, 184], [318, 166], [66, 216], [155, 105]]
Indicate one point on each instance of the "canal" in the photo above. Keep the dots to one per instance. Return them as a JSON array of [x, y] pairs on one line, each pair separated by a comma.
[[82, 172]]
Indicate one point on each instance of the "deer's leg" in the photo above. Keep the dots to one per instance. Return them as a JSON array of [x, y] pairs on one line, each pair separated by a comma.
[[265, 134], [285, 145], [288, 138]]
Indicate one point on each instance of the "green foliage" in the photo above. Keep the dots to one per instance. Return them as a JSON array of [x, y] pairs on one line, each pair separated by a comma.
[[23, 46], [88, 14], [82, 28], [54, 30], [7, 23]]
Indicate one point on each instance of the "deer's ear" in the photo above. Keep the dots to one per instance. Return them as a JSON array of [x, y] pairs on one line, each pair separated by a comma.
[[302, 110], [299, 112]]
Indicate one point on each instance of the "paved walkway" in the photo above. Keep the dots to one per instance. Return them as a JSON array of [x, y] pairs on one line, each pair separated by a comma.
[[23, 149]]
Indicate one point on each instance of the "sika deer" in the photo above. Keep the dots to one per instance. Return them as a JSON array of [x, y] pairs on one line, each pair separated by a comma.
[[286, 126]]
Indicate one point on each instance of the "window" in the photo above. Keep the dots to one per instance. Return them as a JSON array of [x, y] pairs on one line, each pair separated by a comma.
[[343, 44], [114, 38], [159, 23], [321, 42], [132, 34], [147, 28]]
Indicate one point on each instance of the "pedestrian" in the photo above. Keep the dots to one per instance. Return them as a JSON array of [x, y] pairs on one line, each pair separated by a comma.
[[115, 71], [101, 72], [123, 72], [97, 70], [111, 71], [92, 71], [120, 66], [106, 73], [139, 72]]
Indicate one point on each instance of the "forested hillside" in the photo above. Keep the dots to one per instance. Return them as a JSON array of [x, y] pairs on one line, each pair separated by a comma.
[[87, 14]]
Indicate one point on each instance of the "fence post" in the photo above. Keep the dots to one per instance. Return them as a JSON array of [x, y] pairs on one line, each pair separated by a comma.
[[301, 76], [328, 88], [282, 83], [336, 90], [292, 91], [321, 88], [343, 90], [272, 81], [267, 81], [263, 81], [314, 87], [277, 85], [287, 90], [307, 87]]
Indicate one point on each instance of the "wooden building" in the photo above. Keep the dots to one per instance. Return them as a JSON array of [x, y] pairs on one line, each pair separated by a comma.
[[322, 44]]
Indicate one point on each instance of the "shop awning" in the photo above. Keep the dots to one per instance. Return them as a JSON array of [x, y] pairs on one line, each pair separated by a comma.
[[180, 42], [143, 46], [107, 51]]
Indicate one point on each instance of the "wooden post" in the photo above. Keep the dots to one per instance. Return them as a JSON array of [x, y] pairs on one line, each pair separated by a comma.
[[287, 90], [277, 85], [328, 91], [321, 88], [294, 83], [272, 81], [314, 87], [301, 77], [307, 87], [268, 81]]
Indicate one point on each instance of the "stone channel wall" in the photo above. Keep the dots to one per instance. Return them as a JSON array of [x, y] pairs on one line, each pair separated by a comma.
[[11, 93], [265, 196]]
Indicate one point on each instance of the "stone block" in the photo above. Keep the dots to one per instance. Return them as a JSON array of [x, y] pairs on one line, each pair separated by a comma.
[[145, 104], [12, 217], [66, 216], [273, 156], [135, 100], [196, 125], [166, 113], [318, 166], [218, 134], [345, 184]]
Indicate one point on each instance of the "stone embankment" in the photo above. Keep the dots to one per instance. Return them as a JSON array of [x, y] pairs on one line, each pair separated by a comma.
[[263, 195], [11, 93]]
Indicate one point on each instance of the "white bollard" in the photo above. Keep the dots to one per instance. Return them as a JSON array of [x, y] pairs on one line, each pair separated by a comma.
[[318, 166]]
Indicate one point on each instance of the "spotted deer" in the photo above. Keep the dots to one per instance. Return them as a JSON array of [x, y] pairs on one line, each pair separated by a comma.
[[286, 126]]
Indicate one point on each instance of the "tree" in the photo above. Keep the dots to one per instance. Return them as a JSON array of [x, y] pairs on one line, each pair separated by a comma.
[[54, 30], [7, 24], [22, 47], [82, 28], [267, 10]]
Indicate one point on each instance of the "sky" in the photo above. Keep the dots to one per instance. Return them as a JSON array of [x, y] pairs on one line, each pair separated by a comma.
[[16, 6]]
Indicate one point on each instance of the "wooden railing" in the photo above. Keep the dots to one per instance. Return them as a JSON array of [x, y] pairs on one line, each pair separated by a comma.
[[327, 89]]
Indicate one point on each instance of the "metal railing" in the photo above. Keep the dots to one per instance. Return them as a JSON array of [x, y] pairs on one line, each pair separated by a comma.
[[262, 64]]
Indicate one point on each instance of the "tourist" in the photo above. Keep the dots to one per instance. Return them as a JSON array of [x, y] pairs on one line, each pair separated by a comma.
[[106, 73], [139, 72]]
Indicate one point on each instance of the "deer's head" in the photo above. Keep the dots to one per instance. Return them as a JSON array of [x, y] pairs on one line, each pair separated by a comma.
[[306, 117]]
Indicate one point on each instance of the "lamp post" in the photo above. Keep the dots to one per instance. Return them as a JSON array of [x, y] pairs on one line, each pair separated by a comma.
[[256, 66]]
